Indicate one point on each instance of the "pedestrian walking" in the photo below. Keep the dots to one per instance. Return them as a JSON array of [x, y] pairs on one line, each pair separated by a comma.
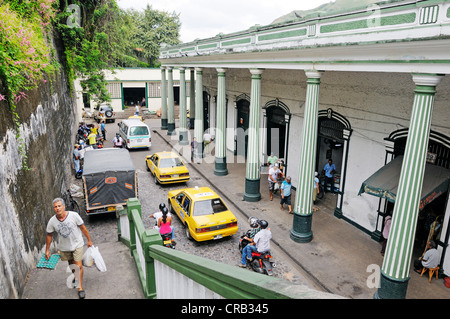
[[271, 160], [194, 150], [137, 109], [272, 179], [286, 194], [92, 139], [69, 226], [386, 229], [103, 129], [329, 170], [316, 186], [76, 158]]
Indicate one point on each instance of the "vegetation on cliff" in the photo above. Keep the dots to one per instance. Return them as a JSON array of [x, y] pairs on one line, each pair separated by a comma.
[[96, 35]]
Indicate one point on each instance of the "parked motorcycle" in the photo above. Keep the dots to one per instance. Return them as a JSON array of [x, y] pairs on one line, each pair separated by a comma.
[[260, 262]]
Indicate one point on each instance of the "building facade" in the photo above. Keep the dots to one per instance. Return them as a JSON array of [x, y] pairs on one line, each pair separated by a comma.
[[129, 86], [367, 88]]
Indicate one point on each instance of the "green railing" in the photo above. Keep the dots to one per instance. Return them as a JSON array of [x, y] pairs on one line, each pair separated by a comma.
[[169, 273]]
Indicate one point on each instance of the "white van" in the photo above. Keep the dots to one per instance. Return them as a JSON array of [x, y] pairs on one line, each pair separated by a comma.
[[135, 134]]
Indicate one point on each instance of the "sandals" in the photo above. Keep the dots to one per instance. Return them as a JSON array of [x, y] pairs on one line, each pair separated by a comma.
[[81, 294]]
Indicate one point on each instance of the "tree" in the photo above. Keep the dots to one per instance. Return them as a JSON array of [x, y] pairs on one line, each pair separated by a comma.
[[155, 28]]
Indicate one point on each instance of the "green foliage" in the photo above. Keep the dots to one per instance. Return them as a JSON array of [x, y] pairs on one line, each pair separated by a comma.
[[97, 35], [109, 37], [88, 49], [25, 55], [153, 28]]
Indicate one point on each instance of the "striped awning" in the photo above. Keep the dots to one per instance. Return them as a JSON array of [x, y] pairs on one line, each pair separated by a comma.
[[384, 182]]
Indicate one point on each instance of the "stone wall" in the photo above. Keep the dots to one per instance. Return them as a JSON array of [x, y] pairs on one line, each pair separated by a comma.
[[48, 124]]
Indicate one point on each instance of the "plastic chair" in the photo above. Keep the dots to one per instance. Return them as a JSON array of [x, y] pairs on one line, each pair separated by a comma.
[[431, 271]]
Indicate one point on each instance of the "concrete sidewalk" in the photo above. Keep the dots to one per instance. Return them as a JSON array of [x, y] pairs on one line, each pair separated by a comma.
[[120, 281], [335, 261], [338, 257]]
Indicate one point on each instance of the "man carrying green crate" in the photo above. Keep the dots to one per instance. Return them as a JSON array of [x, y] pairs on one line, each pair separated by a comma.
[[70, 227]]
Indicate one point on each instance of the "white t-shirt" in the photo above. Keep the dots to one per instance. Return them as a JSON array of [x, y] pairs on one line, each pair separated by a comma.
[[273, 171], [431, 258], [262, 240], [70, 236]]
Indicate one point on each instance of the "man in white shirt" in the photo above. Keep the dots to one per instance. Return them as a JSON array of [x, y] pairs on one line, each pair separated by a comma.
[[273, 178], [69, 226], [260, 243], [118, 141], [429, 260]]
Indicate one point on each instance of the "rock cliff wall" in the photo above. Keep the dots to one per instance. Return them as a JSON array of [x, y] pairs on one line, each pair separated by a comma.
[[47, 127]]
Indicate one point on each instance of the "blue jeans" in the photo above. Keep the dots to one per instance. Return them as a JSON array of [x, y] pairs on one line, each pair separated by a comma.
[[247, 253], [76, 163], [172, 232]]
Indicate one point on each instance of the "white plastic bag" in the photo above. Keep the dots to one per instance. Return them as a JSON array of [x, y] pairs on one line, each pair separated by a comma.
[[88, 259], [98, 259]]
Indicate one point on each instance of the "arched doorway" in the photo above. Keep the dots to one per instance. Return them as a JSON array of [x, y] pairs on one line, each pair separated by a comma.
[[206, 121], [242, 117], [276, 120], [434, 202], [333, 138], [277, 117]]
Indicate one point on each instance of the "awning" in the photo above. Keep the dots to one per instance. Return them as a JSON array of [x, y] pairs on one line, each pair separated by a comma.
[[384, 182]]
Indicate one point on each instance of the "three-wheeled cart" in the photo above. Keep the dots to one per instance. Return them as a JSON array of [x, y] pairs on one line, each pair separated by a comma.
[[109, 179]]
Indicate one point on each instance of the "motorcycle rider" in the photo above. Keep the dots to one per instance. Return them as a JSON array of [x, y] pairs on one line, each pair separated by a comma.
[[255, 228], [159, 214], [118, 141], [260, 243], [164, 223]]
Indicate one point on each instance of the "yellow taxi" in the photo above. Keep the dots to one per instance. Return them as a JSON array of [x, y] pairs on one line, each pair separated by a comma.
[[137, 117], [204, 214], [167, 168]]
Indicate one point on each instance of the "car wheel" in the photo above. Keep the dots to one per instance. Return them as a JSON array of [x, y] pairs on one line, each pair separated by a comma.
[[108, 114], [146, 165], [156, 179], [188, 232]]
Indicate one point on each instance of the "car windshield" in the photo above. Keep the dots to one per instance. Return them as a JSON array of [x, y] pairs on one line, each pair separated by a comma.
[[170, 162], [208, 207], [138, 130]]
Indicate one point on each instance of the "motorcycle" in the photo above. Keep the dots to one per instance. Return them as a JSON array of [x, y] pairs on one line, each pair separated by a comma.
[[167, 241], [260, 262]]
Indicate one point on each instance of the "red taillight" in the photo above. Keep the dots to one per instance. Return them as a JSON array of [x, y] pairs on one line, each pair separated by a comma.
[[128, 141], [233, 224], [184, 174], [150, 139], [202, 230], [165, 176]]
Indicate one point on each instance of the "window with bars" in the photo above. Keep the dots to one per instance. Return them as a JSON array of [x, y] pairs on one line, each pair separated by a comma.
[[154, 89], [115, 90]]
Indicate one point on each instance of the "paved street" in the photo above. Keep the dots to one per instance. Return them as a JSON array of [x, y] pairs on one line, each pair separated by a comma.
[[103, 228], [335, 261]]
